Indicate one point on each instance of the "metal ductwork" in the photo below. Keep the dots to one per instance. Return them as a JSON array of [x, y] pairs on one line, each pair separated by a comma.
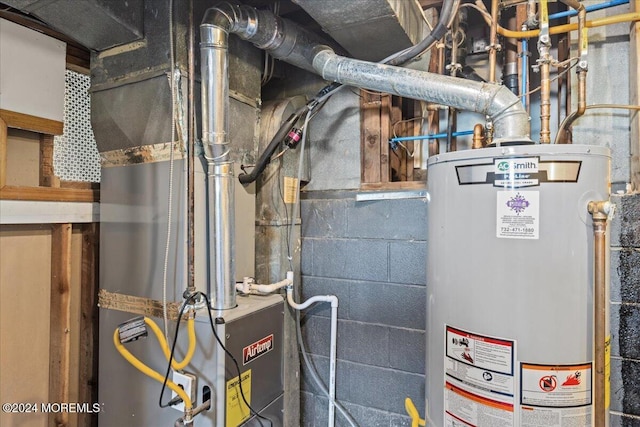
[[292, 44], [96, 24], [389, 25]]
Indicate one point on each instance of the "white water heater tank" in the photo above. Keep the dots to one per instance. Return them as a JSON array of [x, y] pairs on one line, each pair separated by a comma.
[[509, 285]]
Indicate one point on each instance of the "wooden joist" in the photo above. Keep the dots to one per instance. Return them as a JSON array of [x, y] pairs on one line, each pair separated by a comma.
[[60, 321], [31, 123]]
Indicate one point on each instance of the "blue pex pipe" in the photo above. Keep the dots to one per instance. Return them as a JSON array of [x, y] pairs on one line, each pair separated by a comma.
[[433, 136], [600, 6]]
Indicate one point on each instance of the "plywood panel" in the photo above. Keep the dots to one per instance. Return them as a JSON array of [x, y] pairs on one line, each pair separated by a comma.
[[24, 334], [23, 158]]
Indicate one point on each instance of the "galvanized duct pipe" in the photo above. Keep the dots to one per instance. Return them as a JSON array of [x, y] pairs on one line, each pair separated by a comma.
[[220, 179], [286, 41]]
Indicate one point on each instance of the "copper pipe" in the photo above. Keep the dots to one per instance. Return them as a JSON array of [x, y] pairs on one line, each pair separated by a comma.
[[599, 212], [478, 136], [493, 41], [582, 70], [545, 103]]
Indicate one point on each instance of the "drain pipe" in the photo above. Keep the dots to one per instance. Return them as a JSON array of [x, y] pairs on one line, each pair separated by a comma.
[[286, 41], [220, 179]]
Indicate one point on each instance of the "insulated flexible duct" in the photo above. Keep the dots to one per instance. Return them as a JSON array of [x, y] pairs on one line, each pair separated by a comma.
[[286, 41]]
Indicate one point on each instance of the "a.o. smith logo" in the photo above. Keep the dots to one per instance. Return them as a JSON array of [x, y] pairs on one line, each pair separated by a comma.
[[257, 349]]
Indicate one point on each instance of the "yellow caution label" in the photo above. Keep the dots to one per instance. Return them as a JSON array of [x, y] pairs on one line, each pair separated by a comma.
[[290, 189], [607, 372], [237, 409]]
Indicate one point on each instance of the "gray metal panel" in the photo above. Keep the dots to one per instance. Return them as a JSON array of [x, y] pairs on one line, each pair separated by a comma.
[[132, 115], [97, 24], [131, 399]]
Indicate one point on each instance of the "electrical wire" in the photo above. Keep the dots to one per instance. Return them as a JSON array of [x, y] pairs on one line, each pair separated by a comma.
[[171, 158]]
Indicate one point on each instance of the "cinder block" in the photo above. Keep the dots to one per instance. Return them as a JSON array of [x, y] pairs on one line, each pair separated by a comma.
[[312, 286], [351, 259], [403, 219], [407, 350], [629, 335], [363, 343], [408, 262], [404, 420], [617, 386], [306, 257], [384, 389], [388, 304], [324, 218], [307, 409], [321, 364], [627, 270], [625, 228], [316, 334], [361, 415], [630, 373]]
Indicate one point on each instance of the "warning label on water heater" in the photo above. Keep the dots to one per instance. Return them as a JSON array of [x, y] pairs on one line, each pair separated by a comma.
[[479, 380], [518, 215], [555, 395]]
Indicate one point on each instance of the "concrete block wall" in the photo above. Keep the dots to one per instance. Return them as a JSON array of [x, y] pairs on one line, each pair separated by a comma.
[[372, 256], [625, 312]]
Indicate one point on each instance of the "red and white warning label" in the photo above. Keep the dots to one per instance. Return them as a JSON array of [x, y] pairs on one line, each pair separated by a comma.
[[555, 395], [479, 380]]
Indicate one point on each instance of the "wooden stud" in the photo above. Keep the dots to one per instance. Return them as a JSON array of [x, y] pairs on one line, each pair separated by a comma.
[[47, 176], [60, 321], [32, 123], [370, 105], [3, 152], [396, 158], [88, 357], [385, 134]]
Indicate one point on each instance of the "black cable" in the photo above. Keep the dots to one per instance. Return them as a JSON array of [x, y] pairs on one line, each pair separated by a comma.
[[265, 157], [173, 348]]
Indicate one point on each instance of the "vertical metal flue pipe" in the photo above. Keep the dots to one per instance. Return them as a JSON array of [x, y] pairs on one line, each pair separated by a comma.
[[220, 178]]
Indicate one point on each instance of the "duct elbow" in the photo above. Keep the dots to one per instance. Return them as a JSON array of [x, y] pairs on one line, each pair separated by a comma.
[[510, 119], [240, 20]]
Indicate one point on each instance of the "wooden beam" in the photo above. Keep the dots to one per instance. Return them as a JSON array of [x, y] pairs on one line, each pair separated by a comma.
[[32, 123], [385, 134], [88, 357], [397, 185], [634, 98], [370, 106], [47, 176], [60, 321], [3, 152], [48, 194]]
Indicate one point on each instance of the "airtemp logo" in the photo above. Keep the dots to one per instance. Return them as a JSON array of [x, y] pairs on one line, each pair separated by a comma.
[[522, 165], [257, 349]]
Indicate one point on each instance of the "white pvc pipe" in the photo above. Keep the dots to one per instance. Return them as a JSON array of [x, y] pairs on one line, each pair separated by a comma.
[[334, 335]]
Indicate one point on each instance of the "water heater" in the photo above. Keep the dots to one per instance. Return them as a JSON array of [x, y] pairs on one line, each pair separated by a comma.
[[509, 285]]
